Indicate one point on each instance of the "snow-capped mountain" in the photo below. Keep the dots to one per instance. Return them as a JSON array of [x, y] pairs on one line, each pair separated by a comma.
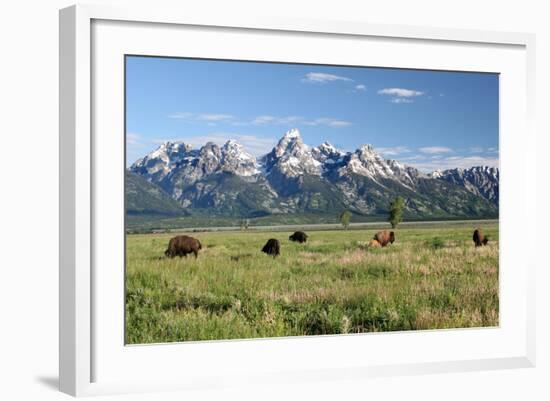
[[236, 160], [179, 159], [366, 162], [328, 154], [291, 157], [159, 163], [296, 178], [482, 181]]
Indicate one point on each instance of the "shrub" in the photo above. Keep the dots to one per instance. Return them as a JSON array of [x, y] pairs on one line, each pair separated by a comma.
[[436, 243]]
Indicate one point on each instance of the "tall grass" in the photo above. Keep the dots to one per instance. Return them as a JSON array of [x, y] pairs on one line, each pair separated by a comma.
[[428, 279]]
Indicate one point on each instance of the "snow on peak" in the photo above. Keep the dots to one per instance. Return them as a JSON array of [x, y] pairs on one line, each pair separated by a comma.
[[367, 162], [326, 147], [292, 133], [292, 157], [235, 159], [291, 143], [232, 146], [163, 159], [480, 180], [232, 143], [169, 147], [328, 154], [210, 150], [367, 149]]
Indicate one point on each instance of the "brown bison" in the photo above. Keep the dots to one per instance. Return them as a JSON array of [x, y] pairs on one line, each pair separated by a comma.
[[182, 245], [479, 238], [298, 236], [384, 237], [374, 244], [272, 247]]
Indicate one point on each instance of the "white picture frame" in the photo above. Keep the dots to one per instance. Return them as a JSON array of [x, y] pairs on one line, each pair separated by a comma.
[[91, 355]]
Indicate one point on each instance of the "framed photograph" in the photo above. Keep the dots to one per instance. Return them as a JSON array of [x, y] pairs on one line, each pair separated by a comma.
[[267, 200]]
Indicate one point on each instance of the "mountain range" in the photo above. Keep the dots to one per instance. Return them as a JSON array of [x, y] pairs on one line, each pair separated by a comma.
[[294, 178]]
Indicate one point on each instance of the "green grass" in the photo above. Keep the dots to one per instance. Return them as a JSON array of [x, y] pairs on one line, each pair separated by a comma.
[[431, 277]]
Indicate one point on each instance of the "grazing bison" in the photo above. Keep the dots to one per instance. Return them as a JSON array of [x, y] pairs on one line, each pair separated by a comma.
[[272, 247], [374, 244], [298, 236], [182, 245], [479, 238], [384, 237]]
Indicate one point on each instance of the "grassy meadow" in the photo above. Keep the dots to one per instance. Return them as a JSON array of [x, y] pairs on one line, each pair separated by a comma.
[[432, 277]]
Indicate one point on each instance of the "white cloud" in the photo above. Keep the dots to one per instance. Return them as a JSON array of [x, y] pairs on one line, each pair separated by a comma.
[[134, 147], [400, 95], [330, 122], [338, 123], [400, 92], [290, 119], [321, 77], [214, 117], [360, 87], [295, 120], [476, 149], [454, 162], [412, 158], [133, 139], [435, 149], [181, 115], [400, 100], [264, 120], [268, 119], [393, 151], [210, 117]]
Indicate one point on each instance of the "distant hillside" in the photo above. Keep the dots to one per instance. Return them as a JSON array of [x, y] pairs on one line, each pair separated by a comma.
[[145, 198]]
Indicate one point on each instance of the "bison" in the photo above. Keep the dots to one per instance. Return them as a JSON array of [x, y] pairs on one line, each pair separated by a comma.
[[479, 238], [298, 236], [374, 244], [272, 247], [384, 237], [181, 245]]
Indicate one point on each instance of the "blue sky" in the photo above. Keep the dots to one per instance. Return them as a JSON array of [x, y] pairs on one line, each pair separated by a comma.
[[427, 119]]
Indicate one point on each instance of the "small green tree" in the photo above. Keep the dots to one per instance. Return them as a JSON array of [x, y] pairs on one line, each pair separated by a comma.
[[245, 223], [345, 218], [396, 211]]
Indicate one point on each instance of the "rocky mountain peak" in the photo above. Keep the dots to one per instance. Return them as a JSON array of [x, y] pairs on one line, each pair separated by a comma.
[[327, 150], [232, 144], [293, 176], [210, 149], [479, 180], [435, 174], [291, 143], [236, 160], [175, 146], [162, 160], [292, 133], [291, 157], [365, 161]]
